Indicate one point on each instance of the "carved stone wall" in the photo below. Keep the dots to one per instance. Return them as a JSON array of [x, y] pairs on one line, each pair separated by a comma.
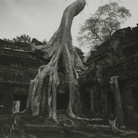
[[17, 68], [117, 56]]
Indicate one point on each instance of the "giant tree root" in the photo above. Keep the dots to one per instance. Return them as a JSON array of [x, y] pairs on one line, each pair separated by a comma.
[[62, 56], [120, 131], [86, 119], [118, 108]]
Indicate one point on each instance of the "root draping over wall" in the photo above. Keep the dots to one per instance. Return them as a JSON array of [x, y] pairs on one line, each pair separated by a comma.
[[60, 52]]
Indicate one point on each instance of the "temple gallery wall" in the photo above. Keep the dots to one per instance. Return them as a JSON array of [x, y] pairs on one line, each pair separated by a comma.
[[117, 56]]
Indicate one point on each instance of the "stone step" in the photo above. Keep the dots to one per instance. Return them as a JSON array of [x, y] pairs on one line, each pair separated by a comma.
[[43, 131]]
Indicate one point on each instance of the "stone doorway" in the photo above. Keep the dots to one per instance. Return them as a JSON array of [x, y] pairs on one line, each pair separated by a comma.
[[62, 101], [110, 102], [20, 101], [135, 99]]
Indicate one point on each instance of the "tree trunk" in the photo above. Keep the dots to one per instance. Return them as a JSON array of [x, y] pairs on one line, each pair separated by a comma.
[[59, 51], [118, 101]]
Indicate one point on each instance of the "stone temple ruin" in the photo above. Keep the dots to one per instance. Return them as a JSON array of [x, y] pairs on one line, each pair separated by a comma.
[[117, 56], [17, 67]]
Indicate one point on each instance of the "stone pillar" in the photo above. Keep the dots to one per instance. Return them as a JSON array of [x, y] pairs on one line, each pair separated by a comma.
[[118, 99], [8, 96], [92, 100]]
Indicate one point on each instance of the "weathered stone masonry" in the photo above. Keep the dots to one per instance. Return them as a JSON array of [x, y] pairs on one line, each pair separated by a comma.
[[17, 67], [116, 57]]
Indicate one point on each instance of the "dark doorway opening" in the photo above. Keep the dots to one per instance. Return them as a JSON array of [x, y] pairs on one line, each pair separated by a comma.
[[22, 99], [1, 97], [111, 102], [135, 99], [62, 101], [86, 101]]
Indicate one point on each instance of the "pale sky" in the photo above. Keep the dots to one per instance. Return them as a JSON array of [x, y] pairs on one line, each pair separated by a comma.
[[40, 18]]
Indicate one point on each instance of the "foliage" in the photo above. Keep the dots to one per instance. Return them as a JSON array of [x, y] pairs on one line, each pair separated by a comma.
[[7, 40], [23, 38], [100, 26], [44, 42]]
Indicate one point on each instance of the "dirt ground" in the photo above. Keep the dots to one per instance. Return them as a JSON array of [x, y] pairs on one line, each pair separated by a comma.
[[72, 128]]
